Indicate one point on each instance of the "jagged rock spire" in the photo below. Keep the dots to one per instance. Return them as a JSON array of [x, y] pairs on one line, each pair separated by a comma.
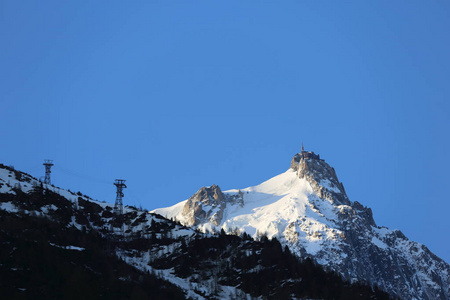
[[320, 175]]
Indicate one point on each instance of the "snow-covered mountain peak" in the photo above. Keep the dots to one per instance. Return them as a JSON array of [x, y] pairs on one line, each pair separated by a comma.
[[307, 209], [309, 192]]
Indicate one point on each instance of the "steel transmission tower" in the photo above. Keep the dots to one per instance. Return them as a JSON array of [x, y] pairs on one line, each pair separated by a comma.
[[120, 185], [48, 165]]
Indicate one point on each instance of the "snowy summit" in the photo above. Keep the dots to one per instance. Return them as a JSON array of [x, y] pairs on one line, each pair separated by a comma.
[[307, 209]]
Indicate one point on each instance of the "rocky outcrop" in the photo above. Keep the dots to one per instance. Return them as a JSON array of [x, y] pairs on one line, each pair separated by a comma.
[[322, 178], [208, 205]]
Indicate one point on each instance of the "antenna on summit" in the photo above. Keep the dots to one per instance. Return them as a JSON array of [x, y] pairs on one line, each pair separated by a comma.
[[118, 206], [303, 149], [48, 165]]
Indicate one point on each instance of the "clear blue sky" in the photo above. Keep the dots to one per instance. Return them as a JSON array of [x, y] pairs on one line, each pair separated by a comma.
[[175, 95]]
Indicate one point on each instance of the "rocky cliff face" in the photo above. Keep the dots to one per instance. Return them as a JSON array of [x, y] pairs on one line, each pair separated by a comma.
[[322, 178], [207, 205], [308, 209]]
